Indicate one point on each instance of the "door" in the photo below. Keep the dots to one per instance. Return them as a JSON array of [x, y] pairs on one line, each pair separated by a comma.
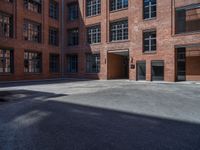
[[141, 70], [181, 64]]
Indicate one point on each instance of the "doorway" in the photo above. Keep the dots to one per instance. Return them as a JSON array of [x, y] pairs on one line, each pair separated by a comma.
[[141, 70], [118, 64]]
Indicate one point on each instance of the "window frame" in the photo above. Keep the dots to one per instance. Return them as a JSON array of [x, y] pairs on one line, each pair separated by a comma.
[[4, 59], [73, 37], [123, 30], [33, 5], [94, 34], [150, 17], [97, 63], [150, 39], [71, 14], [123, 7], [93, 9], [54, 9], [71, 64], [53, 39], [7, 22], [34, 61], [54, 65]]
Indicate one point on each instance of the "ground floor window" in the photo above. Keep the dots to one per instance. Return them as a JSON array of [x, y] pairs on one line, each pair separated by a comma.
[[72, 63], [157, 70], [93, 63], [32, 62], [54, 64], [141, 70], [6, 61]]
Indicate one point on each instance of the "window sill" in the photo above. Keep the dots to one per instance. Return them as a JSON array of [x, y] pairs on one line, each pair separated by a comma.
[[30, 73], [118, 10], [120, 41], [87, 17], [6, 74], [150, 53], [150, 19], [94, 44], [186, 33]]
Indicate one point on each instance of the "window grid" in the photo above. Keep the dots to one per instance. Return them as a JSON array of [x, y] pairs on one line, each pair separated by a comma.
[[6, 61], [53, 9], [119, 30], [93, 7], [92, 63], [6, 25], [149, 9], [32, 31], [72, 63], [118, 4], [33, 5], [32, 62], [73, 37], [54, 63], [94, 34], [53, 36], [149, 41], [73, 11]]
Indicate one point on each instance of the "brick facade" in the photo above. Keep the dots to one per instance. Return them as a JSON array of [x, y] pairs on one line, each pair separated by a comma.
[[164, 24]]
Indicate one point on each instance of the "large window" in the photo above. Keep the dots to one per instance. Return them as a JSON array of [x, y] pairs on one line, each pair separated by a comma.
[[53, 9], [188, 19], [93, 7], [118, 4], [73, 11], [157, 70], [53, 36], [94, 34], [6, 25], [72, 63], [119, 30], [32, 31], [149, 41], [6, 61], [54, 63], [32, 62], [73, 37], [92, 63], [149, 9], [33, 5]]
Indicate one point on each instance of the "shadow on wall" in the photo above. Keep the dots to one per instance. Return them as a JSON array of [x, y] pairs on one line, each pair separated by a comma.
[[88, 56], [58, 125]]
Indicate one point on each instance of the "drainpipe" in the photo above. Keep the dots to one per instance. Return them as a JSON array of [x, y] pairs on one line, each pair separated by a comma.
[[62, 37]]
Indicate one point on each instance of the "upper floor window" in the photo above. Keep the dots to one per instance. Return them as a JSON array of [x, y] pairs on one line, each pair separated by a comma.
[[8, 1], [32, 31], [33, 5], [53, 36], [149, 9], [187, 19], [53, 9], [73, 37], [32, 62], [118, 4], [93, 7], [94, 34], [73, 11], [149, 41], [119, 30], [6, 61], [54, 66], [6, 25], [93, 63]]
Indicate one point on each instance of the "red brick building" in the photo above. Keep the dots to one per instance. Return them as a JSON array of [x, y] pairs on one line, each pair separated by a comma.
[[101, 39]]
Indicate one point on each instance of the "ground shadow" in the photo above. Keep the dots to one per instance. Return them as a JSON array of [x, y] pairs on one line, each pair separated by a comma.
[[51, 125]]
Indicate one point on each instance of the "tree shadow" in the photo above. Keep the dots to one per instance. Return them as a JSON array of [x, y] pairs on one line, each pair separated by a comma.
[[53, 124]]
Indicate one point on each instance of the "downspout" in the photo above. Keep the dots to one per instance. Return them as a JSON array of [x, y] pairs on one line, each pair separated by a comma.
[[62, 38]]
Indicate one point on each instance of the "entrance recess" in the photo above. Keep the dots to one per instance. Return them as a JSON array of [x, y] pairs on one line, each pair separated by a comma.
[[188, 63], [118, 64], [141, 70]]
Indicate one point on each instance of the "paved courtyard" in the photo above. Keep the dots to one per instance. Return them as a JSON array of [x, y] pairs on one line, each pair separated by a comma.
[[99, 115]]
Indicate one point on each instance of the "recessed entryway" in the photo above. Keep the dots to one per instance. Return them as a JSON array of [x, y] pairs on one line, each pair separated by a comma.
[[118, 64], [141, 70]]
